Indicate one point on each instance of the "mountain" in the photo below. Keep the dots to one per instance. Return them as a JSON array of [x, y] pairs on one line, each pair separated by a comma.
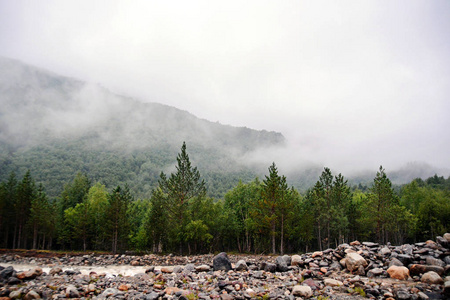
[[57, 126]]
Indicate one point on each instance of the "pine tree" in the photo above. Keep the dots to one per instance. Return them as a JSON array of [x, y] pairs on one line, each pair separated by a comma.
[[180, 187], [382, 198]]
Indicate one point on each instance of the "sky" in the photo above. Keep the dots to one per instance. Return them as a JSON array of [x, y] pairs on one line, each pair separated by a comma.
[[348, 83]]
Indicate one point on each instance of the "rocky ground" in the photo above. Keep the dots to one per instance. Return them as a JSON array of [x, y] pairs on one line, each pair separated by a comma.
[[351, 271]]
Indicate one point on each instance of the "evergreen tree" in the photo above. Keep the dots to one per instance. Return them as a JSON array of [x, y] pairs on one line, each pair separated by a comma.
[[180, 187], [382, 198], [26, 192], [118, 218]]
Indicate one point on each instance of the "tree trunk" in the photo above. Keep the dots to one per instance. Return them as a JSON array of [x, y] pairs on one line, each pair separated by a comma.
[[273, 239]]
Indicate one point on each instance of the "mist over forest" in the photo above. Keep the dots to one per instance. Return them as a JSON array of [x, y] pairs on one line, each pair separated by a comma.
[[57, 126]]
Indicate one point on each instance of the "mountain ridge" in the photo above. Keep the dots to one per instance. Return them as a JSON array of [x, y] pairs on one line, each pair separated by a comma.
[[44, 116]]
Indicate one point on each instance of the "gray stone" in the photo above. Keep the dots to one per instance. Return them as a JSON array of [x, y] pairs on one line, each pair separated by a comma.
[[281, 264], [32, 295], [152, 296], [241, 265], [188, 268], [15, 294], [434, 261], [395, 262], [384, 251], [7, 272], [432, 278], [72, 292], [270, 267], [221, 262], [375, 272]]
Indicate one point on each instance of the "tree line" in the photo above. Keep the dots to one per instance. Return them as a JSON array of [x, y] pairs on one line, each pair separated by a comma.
[[260, 216]]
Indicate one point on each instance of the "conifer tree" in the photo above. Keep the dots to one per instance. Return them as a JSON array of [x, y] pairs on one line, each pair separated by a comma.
[[179, 188]]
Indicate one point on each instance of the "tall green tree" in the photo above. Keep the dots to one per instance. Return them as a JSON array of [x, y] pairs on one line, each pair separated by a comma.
[[382, 198], [26, 192], [237, 206], [118, 219], [8, 198], [40, 213], [180, 187], [74, 193], [266, 211]]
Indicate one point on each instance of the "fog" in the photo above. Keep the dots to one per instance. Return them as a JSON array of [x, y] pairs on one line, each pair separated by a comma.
[[351, 84]]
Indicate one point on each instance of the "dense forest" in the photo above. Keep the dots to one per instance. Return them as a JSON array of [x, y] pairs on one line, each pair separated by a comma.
[[256, 216]]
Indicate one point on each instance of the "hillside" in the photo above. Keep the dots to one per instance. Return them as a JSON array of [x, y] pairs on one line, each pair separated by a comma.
[[57, 126]]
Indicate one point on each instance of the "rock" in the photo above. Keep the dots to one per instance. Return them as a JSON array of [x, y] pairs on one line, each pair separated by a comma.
[[55, 270], [395, 262], [221, 262], [403, 295], [332, 282], [435, 262], [7, 272], [302, 291], [384, 251], [30, 274], [353, 261], [270, 267], [241, 265], [15, 295], [406, 259], [32, 295], [172, 290], [447, 237], [203, 268], [188, 268], [396, 272], [317, 253], [421, 269], [422, 296], [110, 292], [281, 265], [152, 296], [374, 272], [135, 263], [443, 242], [335, 266], [355, 243], [446, 291], [432, 278], [167, 270], [296, 260], [72, 292]]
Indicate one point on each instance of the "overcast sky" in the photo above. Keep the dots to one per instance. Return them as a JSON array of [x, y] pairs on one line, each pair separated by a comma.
[[349, 83]]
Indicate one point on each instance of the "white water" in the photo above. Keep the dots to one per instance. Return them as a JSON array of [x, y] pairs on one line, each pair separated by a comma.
[[85, 270]]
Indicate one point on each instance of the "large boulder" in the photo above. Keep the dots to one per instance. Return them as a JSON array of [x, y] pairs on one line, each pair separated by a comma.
[[417, 269], [302, 291], [30, 274], [221, 262], [432, 278], [281, 263], [353, 261], [397, 272], [296, 260]]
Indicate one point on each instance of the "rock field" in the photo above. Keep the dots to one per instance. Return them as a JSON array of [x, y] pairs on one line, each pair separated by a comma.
[[351, 271]]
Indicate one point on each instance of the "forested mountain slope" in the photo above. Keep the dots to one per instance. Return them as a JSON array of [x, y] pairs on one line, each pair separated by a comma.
[[56, 126]]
